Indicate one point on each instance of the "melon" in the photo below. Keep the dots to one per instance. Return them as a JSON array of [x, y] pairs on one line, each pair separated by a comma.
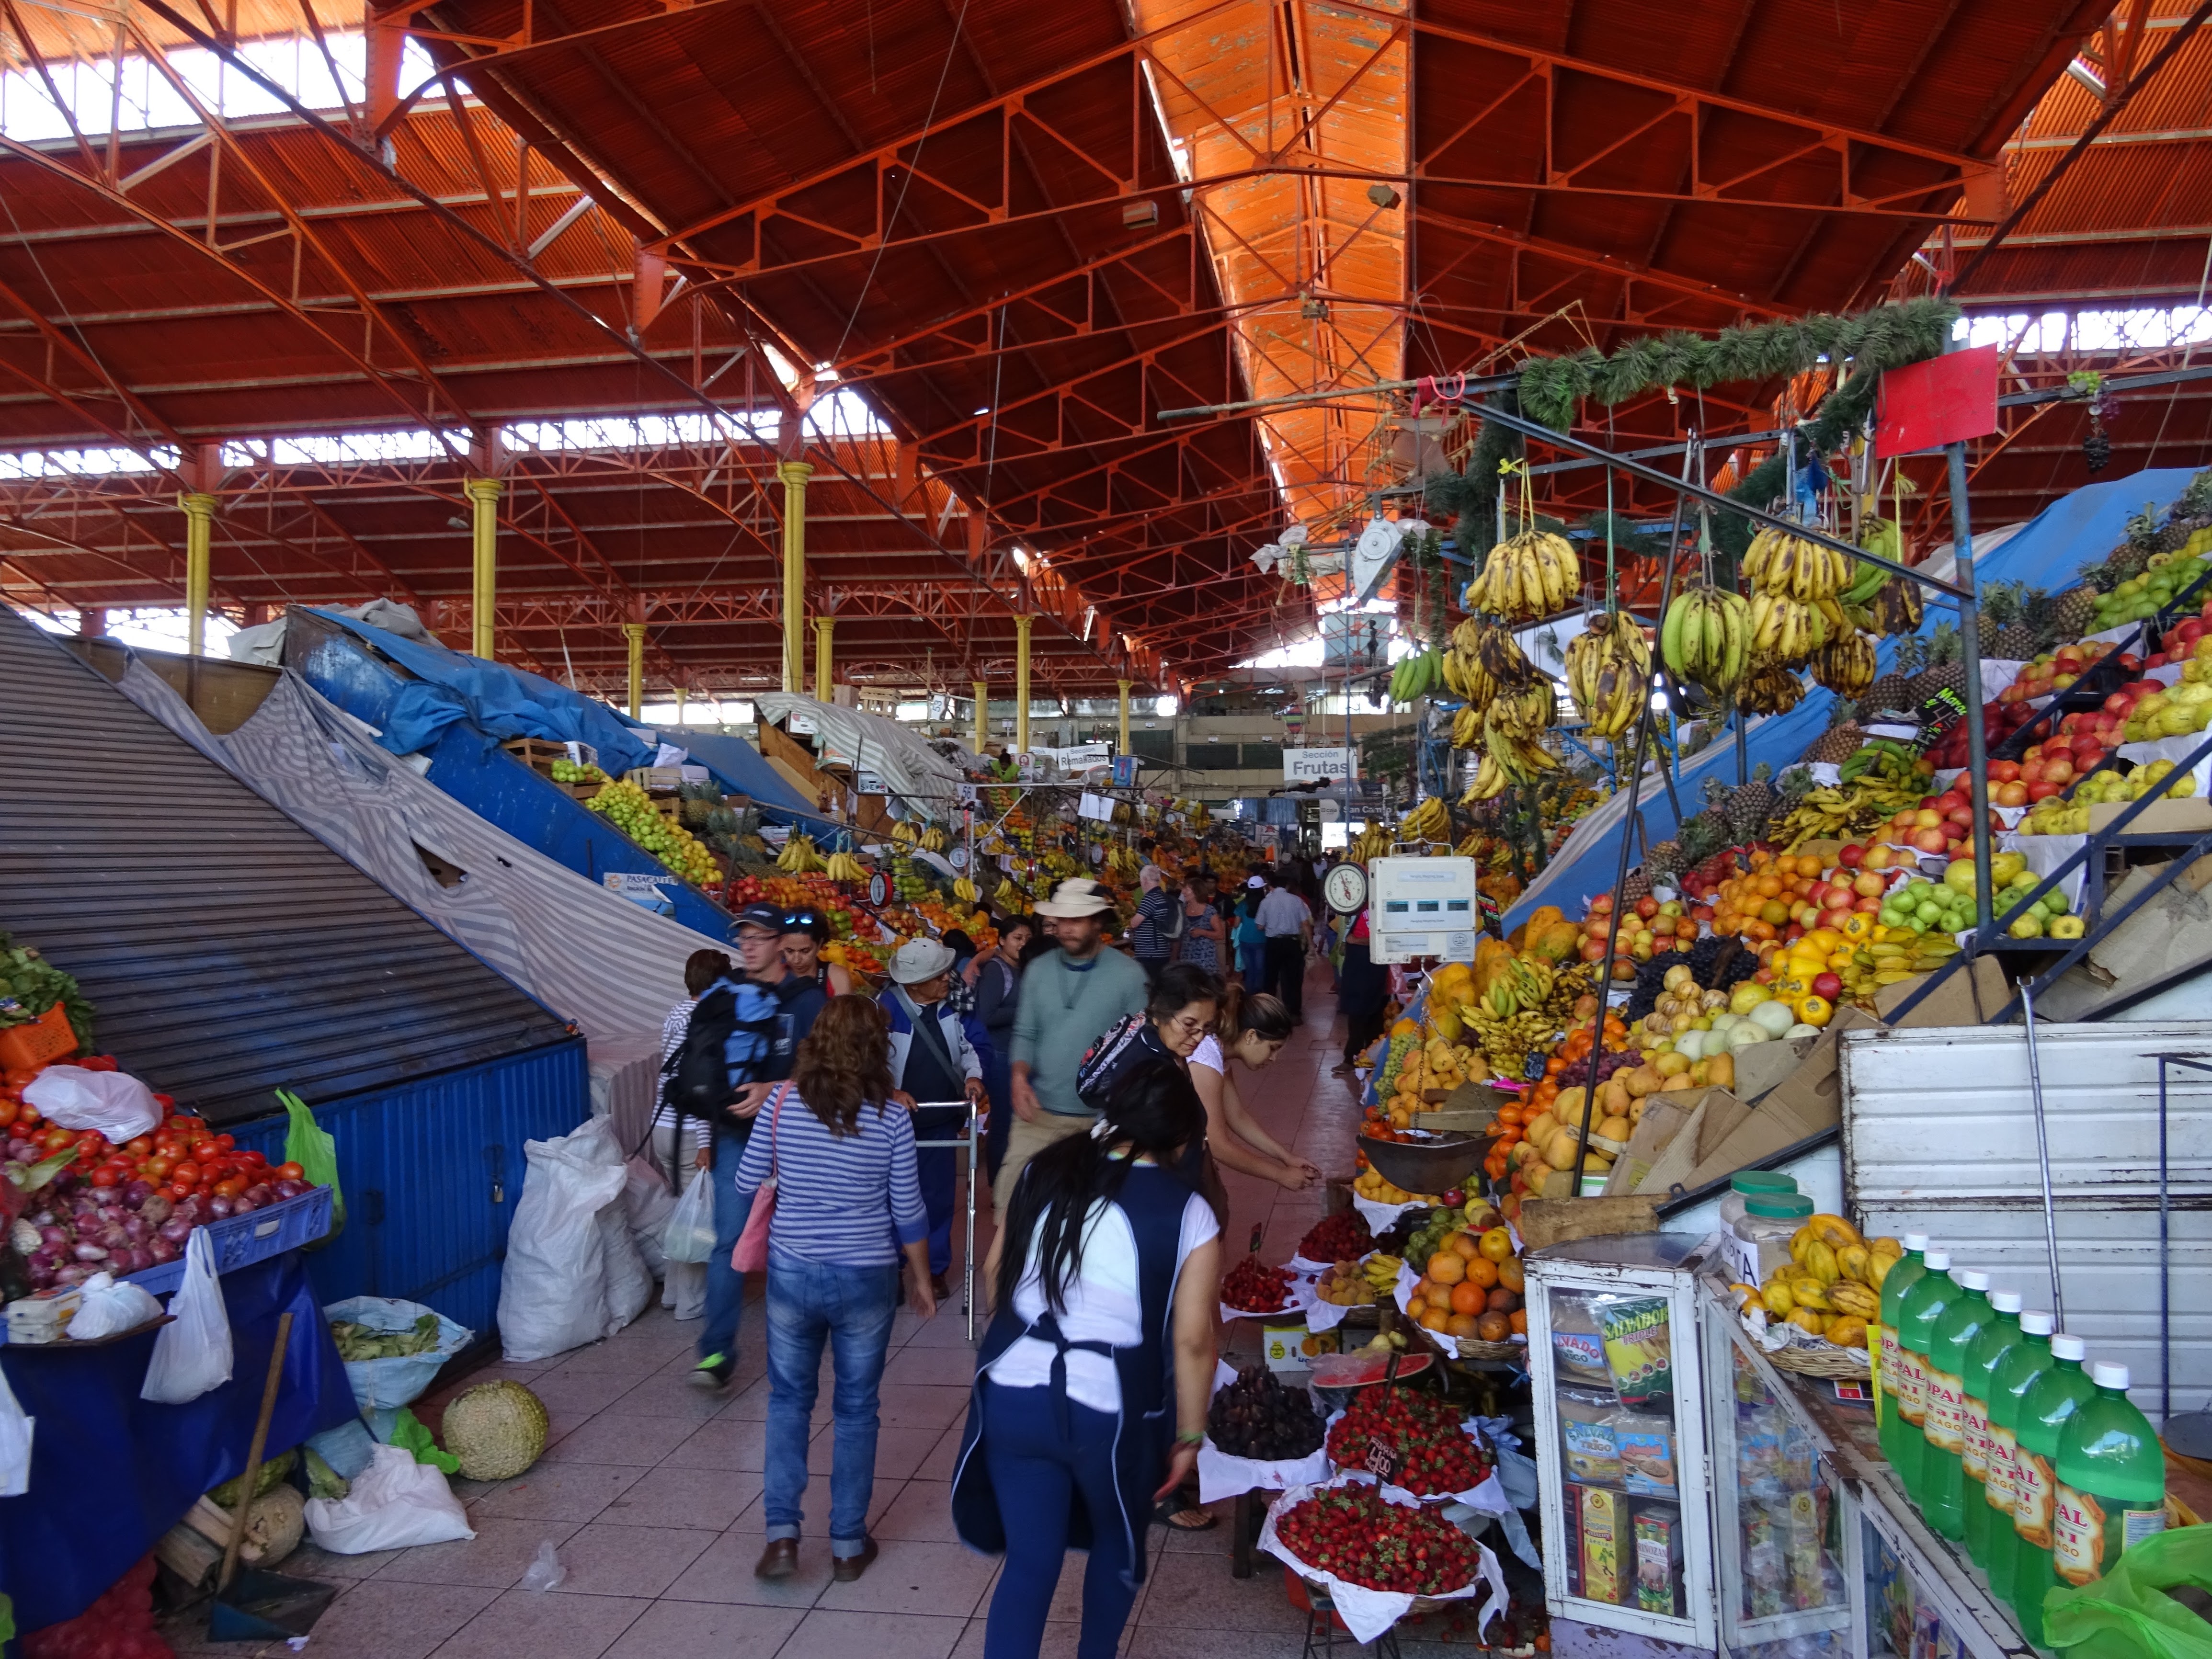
[[1773, 1017], [497, 1429]]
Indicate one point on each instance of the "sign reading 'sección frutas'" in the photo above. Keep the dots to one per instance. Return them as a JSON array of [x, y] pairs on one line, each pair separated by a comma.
[[1309, 765]]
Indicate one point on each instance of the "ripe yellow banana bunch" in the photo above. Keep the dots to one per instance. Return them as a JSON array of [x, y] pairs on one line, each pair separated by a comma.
[[1608, 667], [965, 890], [1846, 665], [1430, 821], [1369, 844], [1705, 639], [904, 832], [1467, 727], [798, 857], [1770, 690], [1789, 631], [934, 840], [843, 866], [1790, 566], [1527, 712], [1527, 576], [1509, 756], [1483, 661]]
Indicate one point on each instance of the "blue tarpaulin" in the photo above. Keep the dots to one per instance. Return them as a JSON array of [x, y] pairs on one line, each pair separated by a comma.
[[2076, 530], [740, 768], [507, 703]]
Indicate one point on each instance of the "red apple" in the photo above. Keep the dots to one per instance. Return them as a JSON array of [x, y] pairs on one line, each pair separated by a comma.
[[1828, 986], [1869, 885], [2016, 692], [2086, 759], [2043, 789], [2130, 661], [1647, 907], [1868, 906], [1839, 898], [1601, 905], [1880, 856], [1852, 854], [2059, 682], [2004, 771], [1930, 840], [2118, 703], [2010, 794], [2059, 771]]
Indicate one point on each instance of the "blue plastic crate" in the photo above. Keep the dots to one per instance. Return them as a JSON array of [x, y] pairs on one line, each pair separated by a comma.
[[239, 1241]]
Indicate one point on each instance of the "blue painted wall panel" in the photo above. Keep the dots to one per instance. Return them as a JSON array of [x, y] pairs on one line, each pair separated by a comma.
[[432, 1172]]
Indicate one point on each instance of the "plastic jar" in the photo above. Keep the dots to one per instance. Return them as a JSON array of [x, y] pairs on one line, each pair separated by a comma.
[[1747, 1184], [1769, 1219]]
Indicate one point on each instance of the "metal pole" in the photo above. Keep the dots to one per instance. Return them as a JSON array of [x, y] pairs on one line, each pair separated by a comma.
[[1970, 644], [794, 475], [824, 628], [636, 631], [982, 713], [1021, 626], [2165, 1302], [2042, 1151]]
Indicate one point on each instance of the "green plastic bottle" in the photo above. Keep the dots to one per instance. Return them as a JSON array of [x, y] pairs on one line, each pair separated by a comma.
[[2017, 1375], [1999, 1336], [1895, 1371], [2043, 1416], [1922, 1312], [2111, 1481], [1943, 1459]]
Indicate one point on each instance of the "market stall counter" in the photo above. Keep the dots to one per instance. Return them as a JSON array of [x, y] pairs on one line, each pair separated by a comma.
[[110, 1473]]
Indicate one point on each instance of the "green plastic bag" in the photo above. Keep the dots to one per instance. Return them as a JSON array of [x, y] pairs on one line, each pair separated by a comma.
[[2127, 1613], [308, 1145], [410, 1434]]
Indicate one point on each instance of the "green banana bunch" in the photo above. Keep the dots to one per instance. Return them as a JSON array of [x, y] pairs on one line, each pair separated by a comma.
[[1416, 677], [1704, 639]]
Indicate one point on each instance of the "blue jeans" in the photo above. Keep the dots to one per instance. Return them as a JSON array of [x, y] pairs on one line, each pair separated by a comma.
[[852, 1308], [1035, 1473], [726, 1285], [1252, 963]]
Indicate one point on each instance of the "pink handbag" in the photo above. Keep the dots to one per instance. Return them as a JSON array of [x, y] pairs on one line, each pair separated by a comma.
[[749, 1254]]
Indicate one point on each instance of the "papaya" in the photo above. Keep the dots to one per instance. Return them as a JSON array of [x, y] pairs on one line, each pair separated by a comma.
[[1543, 916], [1720, 1071], [1805, 1319], [1846, 1331], [1568, 1108], [1559, 1151], [1612, 1100]]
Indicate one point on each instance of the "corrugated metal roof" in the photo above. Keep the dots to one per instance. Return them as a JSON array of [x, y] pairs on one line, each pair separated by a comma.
[[227, 952]]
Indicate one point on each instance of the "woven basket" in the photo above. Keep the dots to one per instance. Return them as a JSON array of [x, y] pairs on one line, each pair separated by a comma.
[[1472, 1347], [1825, 1361]]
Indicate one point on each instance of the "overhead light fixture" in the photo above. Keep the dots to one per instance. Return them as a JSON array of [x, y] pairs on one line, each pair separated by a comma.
[[1135, 216], [1313, 310], [1382, 196]]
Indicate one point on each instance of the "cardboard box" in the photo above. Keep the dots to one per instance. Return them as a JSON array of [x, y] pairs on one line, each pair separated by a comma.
[[1760, 1066], [1293, 1348], [2191, 815], [1664, 1116], [1969, 996]]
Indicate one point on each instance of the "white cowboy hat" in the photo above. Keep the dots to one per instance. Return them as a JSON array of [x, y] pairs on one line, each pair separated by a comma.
[[1076, 896], [920, 959]]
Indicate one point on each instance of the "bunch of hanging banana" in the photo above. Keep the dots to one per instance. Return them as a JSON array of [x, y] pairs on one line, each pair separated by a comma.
[[934, 840], [966, 890], [1705, 638], [1529, 575], [1782, 564], [1846, 665], [1896, 607], [1430, 821], [1369, 843], [1770, 688], [1416, 675], [1482, 661], [798, 857], [1787, 631], [904, 832], [843, 866], [1512, 753], [1608, 666]]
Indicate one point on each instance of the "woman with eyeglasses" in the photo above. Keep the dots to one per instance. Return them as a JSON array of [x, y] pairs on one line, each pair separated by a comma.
[[805, 933]]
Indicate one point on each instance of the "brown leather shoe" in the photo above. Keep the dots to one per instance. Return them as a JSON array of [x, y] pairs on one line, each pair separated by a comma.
[[846, 1568], [779, 1560]]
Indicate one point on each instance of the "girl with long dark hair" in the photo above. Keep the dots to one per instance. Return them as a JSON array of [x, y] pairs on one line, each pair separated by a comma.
[[1252, 1027], [1091, 1389]]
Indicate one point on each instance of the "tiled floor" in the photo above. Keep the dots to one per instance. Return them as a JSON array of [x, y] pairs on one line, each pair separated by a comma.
[[650, 1493]]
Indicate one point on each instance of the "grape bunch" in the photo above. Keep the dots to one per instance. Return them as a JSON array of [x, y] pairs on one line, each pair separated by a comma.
[[1707, 967], [1578, 1071], [1257, 1417]]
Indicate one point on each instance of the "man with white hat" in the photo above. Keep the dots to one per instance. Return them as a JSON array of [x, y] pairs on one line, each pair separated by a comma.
[[1070, 999], [932, 1059]]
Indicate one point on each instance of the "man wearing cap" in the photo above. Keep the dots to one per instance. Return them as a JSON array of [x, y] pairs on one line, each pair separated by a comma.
[[932, 1061], [773, 1008], [1069, 998]]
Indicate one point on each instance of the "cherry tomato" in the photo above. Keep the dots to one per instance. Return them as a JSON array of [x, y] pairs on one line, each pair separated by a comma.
[[289, 1172], [186, 1173], [227, 1142], [106, 1175], [31, 1115]]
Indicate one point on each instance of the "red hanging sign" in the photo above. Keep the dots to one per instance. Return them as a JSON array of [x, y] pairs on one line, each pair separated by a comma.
[[1944, 400]]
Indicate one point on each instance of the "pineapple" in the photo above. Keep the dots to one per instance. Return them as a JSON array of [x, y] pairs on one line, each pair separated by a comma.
[[1946, 666], [1664, 864], [2173, 536], [1997, 610], [2015, 640], [1750, 805], [1889, 691], [1703, 837], [2074, 613], [1844, 738], [2194, 505], [2133, 557]]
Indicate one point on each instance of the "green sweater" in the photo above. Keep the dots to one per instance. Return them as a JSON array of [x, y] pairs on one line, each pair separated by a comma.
[[1063, 1011]]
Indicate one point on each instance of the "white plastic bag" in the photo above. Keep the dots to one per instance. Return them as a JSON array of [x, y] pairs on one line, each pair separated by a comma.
[[689, 1235], [16, 1431], [394, 1503], [110, 1308], [116, 1103], [647, 1202], [553, 1289], [629, 1284], [193, 1355]]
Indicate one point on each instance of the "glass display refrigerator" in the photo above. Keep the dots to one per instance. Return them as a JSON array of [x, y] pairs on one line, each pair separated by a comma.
[[1692, 1493]]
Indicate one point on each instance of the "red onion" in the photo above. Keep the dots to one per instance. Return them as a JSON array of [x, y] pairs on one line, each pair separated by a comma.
[[140, 1259], [161, 1249], [244, 1202], [290, 1188], [76, 1274], [136, 1194], [84, 1252], [23, 1152], [157, 1209], [175, 1230], [40, 1277], [260, 1194], [220, 1206], [136, 1228], [55, 1238]]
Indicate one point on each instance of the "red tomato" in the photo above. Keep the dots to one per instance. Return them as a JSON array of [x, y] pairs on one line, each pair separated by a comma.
[[258, 1160], [229, 1188], [289, 1172], [91, 1138], [178, 1192], [227, 1142], [155, 1168], [54, 1139], [10, 1111], [107, 1176], [138, 1147], [186, 1173]]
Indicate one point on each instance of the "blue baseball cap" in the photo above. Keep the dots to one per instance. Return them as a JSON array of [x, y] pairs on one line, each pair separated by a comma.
[[767, 917]]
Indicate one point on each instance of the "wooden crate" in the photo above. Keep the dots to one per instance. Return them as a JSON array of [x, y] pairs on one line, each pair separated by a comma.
[[538, 754]]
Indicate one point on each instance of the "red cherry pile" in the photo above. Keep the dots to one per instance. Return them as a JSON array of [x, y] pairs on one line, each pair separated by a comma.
[[1436, 1457], [1339, 1237], [1349, 1532], [1251, 1288]]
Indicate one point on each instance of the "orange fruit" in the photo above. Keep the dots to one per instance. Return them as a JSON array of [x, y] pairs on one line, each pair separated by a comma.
[[1465, 1245], [1416, 1304], [1482, 1273], [1461, 1325], [1469, 1299], [1447, 1267], [1493, 1327], [1519, 1320], [1503, 1300], [1435, 1319], [1509, 1275], [1498, 1244]]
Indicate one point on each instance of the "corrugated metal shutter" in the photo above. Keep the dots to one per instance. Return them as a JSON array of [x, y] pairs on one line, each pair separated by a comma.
[[227, 952]]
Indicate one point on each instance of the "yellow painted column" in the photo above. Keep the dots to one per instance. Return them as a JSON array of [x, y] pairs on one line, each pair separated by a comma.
[[794, 475], [483, 589], [199, 531], [1021, 625], [1122, 748], [982, 713], [679, 707], [636, 633], [823, 627]]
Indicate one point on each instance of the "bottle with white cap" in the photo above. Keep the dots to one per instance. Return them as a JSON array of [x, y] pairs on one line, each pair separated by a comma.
[[2017, 1375], [1923, 1311], [2042, 1418], [1943, 1464], [2111, 1481], [2000, 1335], [1904, 1274]]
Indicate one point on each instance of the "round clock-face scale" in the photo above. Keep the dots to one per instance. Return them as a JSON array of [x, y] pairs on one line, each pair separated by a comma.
[[1345, 888]]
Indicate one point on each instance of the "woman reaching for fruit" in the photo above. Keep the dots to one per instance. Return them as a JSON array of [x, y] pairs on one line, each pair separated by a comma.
[[1252, 1028]]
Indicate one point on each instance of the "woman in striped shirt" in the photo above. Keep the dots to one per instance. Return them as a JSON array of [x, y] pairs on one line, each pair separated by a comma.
[[847, 1205]]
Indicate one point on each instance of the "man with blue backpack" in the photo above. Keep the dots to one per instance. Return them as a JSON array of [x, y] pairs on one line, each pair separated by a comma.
[[744, 1031]]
